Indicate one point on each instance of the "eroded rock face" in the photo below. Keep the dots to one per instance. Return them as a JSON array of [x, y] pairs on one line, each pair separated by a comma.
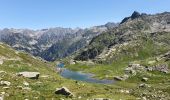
[[63, 91], [31, 75]]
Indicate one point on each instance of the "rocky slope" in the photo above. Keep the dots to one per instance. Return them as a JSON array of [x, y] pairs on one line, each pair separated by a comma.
[[51, 43], [132, 33], [24, 77], [136, 54]]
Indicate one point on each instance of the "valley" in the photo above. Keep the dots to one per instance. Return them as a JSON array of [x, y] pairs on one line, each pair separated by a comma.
[[124, 61]]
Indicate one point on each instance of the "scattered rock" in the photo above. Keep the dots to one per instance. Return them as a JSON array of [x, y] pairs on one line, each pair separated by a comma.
[[1, 61], [144, 79], [134, 65], [161, 68], [2, 72], [31, 75], [64, 91], [151, 62], [19, 87], [129, 70], [26, 88], [166, 56], [1, 98], [6, 83], [132, 69], [72, 62], [38, 83], [121, 78], [79, 97], [3, 93], [125, 91], [143, 85], [6, 88], [144, 98], [44, 76], [26, 83]]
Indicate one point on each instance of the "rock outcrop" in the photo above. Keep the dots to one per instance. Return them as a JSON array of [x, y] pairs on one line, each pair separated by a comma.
[[31, 75], [64, 91]]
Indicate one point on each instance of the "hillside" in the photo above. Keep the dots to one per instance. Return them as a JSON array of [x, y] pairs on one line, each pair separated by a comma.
[[131, 33], [136, 53], [53, 43], [42, 87]]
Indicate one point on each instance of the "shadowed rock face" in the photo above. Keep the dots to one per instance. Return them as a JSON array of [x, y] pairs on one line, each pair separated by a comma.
[[135, 15], [63, 91]]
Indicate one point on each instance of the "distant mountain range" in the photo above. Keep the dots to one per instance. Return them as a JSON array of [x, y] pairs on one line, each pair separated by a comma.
[[52, 43]]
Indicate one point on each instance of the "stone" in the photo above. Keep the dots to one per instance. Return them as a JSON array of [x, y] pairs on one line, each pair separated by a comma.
[[26, 88], [151, 62], [3, 93], [149, 69], [129, 70], [118, 78], [2, 72], [1, 61], [144, 98], [79, 97], [26, 83], [144, 79], [19, 87], [44, 76], [72, 62], [63, 91], [1, 98], [31, 75], [125, 91], [134, 65], [143, 85], [121, 78], [161, 68], [5, 83], [6, 88]]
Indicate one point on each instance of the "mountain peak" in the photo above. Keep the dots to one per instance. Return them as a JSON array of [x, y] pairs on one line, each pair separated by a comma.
[[135, 15]]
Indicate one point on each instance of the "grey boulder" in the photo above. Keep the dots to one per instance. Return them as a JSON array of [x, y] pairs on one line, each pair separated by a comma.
[[63, 91], [31, 75]]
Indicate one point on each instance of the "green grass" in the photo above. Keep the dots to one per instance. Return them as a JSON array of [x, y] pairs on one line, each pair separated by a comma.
[[146, 50], [44, 88]]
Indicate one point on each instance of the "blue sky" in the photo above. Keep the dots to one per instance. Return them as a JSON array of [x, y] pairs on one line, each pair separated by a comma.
[[37, 14]]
